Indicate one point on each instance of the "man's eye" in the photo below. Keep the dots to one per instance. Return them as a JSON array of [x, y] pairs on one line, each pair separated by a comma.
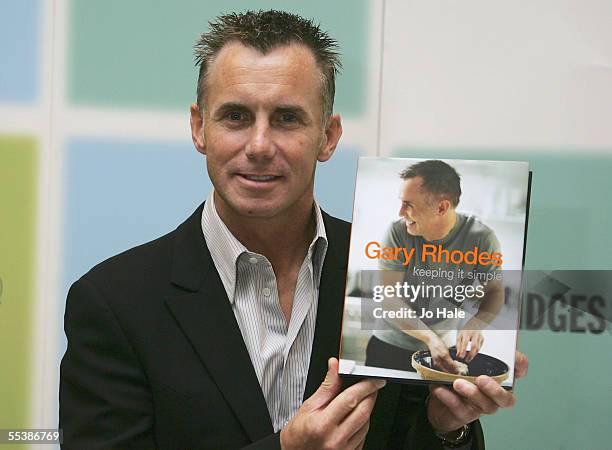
[[235, 115], [288, 118]]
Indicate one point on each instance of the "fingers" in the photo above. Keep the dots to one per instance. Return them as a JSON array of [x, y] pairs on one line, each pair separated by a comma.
[[330, 418], [446, 366], [461, 345], [348, 400], [474, 338], [521, 365], [357, 440], [486, 396], [450, 409], [499, 395], [359, 416], [450, 364], [468, 401], [460, 411], [477, 342], [329, 388], [482, 403], [445, 362]]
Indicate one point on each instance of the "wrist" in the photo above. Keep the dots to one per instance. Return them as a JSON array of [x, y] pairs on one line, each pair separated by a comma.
[[451, 435], [441, 431], [472, 324], [455, 438], [430, 337]]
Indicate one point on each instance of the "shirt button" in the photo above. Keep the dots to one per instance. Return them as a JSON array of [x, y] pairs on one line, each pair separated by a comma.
[[253, 260], [266, 292]]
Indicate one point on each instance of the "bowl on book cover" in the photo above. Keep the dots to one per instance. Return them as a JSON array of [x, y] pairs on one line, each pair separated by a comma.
[[481, 365]]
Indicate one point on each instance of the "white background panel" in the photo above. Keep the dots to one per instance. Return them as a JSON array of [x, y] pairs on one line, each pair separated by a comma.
[[525, 73]]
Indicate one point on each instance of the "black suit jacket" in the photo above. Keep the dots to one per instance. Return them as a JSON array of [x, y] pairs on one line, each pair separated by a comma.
[[155, 358]]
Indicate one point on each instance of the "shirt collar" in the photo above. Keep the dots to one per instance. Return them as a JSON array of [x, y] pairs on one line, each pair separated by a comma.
[[225, 249]]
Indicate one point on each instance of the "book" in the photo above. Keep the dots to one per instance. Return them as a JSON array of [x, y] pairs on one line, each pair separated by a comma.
[[434, 277]]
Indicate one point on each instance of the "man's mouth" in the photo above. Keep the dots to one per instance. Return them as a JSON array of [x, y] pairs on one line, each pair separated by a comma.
[[259, 178], [409, 222]]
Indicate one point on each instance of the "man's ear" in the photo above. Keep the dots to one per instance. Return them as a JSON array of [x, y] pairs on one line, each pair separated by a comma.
[[333, 132], [444, 206], [197, 126]]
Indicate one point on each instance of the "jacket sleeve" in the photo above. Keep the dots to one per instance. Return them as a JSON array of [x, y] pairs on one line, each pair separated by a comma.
[[271, 442], [104, 398]]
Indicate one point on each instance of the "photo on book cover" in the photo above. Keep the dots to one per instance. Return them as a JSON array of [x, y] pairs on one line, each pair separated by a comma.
[[435, 269]]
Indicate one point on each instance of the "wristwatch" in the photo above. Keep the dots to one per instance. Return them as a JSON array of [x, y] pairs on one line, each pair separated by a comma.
[[462, 437]]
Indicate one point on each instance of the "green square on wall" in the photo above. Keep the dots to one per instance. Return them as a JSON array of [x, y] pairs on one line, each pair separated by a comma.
[[139, 54], [18, 185]]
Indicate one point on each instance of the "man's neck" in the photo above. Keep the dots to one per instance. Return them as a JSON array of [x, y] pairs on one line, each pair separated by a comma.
[[282, 239], [445, 227]]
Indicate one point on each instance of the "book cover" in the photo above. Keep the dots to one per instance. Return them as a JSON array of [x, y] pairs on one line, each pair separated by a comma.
[[435, 269]]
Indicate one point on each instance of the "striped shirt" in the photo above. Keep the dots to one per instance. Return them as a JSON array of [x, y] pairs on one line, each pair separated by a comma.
[[279, 352]]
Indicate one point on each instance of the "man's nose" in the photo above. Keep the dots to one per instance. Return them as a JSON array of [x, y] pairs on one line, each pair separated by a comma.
[[260, 144]]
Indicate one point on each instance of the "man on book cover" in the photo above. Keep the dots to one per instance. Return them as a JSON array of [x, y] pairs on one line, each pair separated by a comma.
[[431, 225]]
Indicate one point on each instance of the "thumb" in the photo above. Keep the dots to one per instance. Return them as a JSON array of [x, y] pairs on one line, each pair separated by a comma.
[[521, 365], [330, 387]]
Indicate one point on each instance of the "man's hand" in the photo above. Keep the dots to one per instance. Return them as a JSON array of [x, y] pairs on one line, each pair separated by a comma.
[[450, 409], [439, 354], [331, 419], [463, 338]]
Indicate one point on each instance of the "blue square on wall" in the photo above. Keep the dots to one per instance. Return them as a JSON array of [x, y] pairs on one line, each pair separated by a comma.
[[20, 44], [119, 194]]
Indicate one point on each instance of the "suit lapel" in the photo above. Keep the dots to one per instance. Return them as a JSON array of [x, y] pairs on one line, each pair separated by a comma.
[[206, 318], [330, 307], [204, 313]]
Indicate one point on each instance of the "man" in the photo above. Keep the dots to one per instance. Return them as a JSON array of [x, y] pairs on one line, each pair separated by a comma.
[[429, 197], [213, 335]]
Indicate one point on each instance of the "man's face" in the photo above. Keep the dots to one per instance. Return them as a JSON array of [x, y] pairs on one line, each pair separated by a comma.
[[419, 209], [262, 130]]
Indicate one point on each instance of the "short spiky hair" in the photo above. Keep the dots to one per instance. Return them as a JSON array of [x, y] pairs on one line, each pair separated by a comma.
[[265, 31], [439, 179]]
